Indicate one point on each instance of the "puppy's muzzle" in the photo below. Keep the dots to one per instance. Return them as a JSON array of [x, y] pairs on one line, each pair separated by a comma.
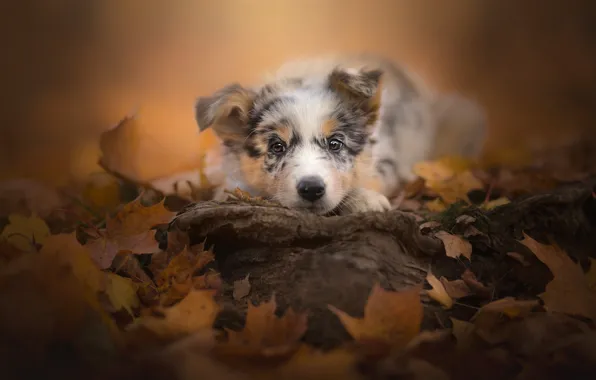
[[311, 188]]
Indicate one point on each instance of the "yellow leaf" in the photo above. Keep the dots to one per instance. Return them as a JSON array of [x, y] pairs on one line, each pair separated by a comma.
[[455, 246], [436, 205], [438, 292], [65, 249], [393, 318], [102, 191], [569, 290], [23, 231], [122, 293], [450, 177], [495, 203]]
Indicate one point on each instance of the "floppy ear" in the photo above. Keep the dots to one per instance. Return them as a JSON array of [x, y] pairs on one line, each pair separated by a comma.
[[362, 87], [226, 112]]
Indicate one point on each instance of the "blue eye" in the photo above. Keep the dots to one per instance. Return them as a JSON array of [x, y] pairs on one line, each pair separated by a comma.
[[335, 145]]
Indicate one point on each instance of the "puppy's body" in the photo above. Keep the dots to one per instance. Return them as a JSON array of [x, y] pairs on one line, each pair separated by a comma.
[[348, 127]]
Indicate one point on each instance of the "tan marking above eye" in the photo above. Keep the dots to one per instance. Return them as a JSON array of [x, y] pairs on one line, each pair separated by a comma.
[[328, 127]]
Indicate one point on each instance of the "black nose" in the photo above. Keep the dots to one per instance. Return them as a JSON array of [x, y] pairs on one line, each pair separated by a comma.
[[311, 188]]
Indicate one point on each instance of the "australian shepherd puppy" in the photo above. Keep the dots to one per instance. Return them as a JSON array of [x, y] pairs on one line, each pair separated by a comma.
[[337, 134]]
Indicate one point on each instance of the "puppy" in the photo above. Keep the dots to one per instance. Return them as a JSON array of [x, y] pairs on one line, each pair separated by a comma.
[[335, 135]]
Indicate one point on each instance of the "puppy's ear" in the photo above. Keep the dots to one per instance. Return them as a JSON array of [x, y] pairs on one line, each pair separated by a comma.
[[362, 87], [226, 112]]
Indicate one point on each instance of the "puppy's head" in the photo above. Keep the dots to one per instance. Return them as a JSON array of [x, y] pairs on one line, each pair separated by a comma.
[[303, 145]]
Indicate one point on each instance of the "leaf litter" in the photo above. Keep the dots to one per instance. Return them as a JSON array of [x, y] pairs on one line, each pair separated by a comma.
[[83, 282]]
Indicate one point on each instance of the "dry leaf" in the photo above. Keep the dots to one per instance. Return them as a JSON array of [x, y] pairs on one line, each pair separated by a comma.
[[569, 291], [122, 293], [476, 286], [392, 318], [310, 363], [490, 314], [195, 312], [495, 203], [130, 230], [456, 289], [438, 292], [463, 332], [102, 192], [265, 334], [24, 232], [449, 177], [65, 249], [455, 246], [241, 288], [436, 205]]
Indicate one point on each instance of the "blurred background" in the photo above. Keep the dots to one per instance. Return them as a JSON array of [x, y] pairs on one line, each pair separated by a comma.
[[72, 69]]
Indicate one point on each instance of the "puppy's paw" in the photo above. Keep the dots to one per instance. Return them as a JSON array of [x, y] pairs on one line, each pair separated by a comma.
[[362, 200]]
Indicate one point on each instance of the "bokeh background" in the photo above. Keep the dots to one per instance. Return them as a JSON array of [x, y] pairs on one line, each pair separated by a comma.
[[72, 69]]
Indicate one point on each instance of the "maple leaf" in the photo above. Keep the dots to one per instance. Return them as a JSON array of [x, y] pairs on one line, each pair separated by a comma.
[[130, 230], [456, 289], [449, 177], [438, 292], [264, 334], [195, 312], [23, 232], [569, 291], [455, 246], [392, 318], [122, 293], [182, 266]]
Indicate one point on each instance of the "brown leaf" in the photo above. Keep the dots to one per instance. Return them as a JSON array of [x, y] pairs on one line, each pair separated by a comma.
[[195, 312], [438, 292], [455, 246], [490, 314], [476, 286], [569, 291], [265, 334], [393, 318], [463, 332], [456, 289], [130, 230], [310, 363], [241, 288], [472, 231]]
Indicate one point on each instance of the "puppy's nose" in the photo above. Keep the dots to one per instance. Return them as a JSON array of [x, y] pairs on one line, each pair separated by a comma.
[[311, 188]]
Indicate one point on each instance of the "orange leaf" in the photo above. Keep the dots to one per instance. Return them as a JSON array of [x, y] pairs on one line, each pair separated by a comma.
[[130, 230], [569, 291], [390, 317], [195, 312], [265, 334]]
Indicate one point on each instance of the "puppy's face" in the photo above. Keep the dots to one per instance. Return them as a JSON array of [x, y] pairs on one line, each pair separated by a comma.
[[301, 145]]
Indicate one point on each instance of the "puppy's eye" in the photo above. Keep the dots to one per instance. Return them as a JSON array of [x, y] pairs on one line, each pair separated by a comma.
[[335, 145], [277, 148]]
